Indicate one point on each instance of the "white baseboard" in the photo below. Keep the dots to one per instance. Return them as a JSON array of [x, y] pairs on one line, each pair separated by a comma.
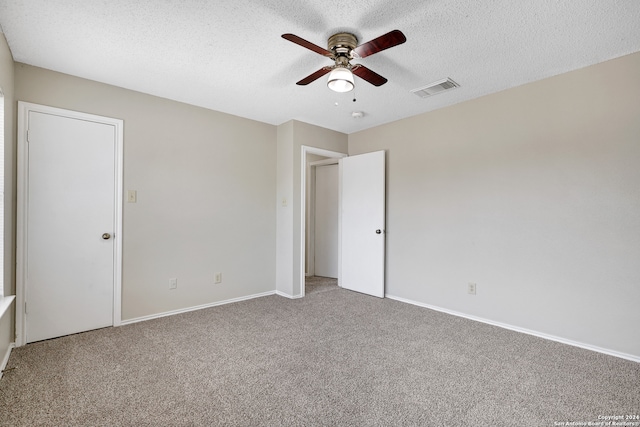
[[5, 359], [197, 307], [282, 294], [521, 330]]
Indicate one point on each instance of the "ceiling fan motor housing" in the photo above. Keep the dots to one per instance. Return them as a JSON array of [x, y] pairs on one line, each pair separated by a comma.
[[342, 44]]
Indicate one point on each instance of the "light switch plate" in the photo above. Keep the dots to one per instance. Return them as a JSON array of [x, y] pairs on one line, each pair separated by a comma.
[[471, 288], [132, 196]]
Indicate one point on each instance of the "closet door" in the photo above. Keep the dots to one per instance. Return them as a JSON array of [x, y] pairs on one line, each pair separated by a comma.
[[69, 216]]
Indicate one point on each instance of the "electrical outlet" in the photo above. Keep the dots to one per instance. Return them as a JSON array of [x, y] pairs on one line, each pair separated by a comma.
[[471, 288], [218, 278], [173, 283]]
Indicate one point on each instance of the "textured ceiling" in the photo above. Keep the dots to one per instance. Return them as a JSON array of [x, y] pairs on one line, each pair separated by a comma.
[[227, 55]]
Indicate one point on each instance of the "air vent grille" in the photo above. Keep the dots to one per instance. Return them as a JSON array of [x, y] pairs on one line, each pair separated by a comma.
[[435, 88]]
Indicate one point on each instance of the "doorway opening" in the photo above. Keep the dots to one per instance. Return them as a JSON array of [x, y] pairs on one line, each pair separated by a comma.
[[311, 159]]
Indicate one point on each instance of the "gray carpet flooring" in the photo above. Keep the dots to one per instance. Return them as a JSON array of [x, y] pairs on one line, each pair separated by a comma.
[[333, 358], [315, 284]]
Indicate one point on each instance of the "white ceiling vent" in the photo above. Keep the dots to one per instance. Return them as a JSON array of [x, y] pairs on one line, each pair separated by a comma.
[[435, 88]]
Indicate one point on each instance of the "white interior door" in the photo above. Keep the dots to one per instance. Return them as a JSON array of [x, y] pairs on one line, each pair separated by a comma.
[[362, 254], [326, 221], [70, 225]]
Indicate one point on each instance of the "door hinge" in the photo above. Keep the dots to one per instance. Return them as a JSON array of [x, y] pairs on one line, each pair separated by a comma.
[[27, 135], [25, 307]]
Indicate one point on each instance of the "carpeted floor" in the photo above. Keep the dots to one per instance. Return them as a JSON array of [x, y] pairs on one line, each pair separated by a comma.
[[330, 359], [315, 284]]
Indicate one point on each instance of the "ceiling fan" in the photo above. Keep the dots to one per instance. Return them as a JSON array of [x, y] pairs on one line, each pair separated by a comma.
[[342, 48]]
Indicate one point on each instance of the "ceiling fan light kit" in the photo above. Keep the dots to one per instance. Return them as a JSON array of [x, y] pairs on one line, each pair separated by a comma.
[[343, 47], [340, 80]]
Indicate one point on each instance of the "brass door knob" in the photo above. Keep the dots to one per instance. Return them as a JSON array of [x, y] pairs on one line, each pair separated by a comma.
[[106, 236]]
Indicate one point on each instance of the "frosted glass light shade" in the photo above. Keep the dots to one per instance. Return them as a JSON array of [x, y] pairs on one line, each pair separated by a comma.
[[340, 80]]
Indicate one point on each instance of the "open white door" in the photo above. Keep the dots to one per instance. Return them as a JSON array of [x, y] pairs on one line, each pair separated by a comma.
[[362, 185]]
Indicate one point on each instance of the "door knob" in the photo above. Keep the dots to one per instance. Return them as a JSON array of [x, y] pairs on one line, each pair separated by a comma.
[[106, 236], [378, 231]]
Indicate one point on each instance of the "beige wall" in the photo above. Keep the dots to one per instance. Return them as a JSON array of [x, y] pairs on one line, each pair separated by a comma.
[[283, 204], [205, 184], [532, 193], [7, 84]]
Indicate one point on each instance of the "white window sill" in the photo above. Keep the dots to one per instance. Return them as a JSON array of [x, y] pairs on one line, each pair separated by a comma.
[[5, 303]]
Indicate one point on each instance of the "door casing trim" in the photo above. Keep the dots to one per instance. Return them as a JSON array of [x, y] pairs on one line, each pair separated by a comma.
[[22, 207]]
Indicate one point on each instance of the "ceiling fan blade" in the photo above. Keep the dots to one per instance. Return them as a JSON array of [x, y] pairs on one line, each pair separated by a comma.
[[302, 42], [314, 76], [368, 75], [391, 39]]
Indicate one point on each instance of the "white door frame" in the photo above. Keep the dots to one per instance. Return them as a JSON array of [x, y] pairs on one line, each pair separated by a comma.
[[304, 150], [22, 208]]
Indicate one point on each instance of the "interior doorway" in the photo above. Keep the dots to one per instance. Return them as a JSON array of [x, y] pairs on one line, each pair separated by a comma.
[[361, 219], [322, 219], [325, 224], [321, 272], [313, 158]]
